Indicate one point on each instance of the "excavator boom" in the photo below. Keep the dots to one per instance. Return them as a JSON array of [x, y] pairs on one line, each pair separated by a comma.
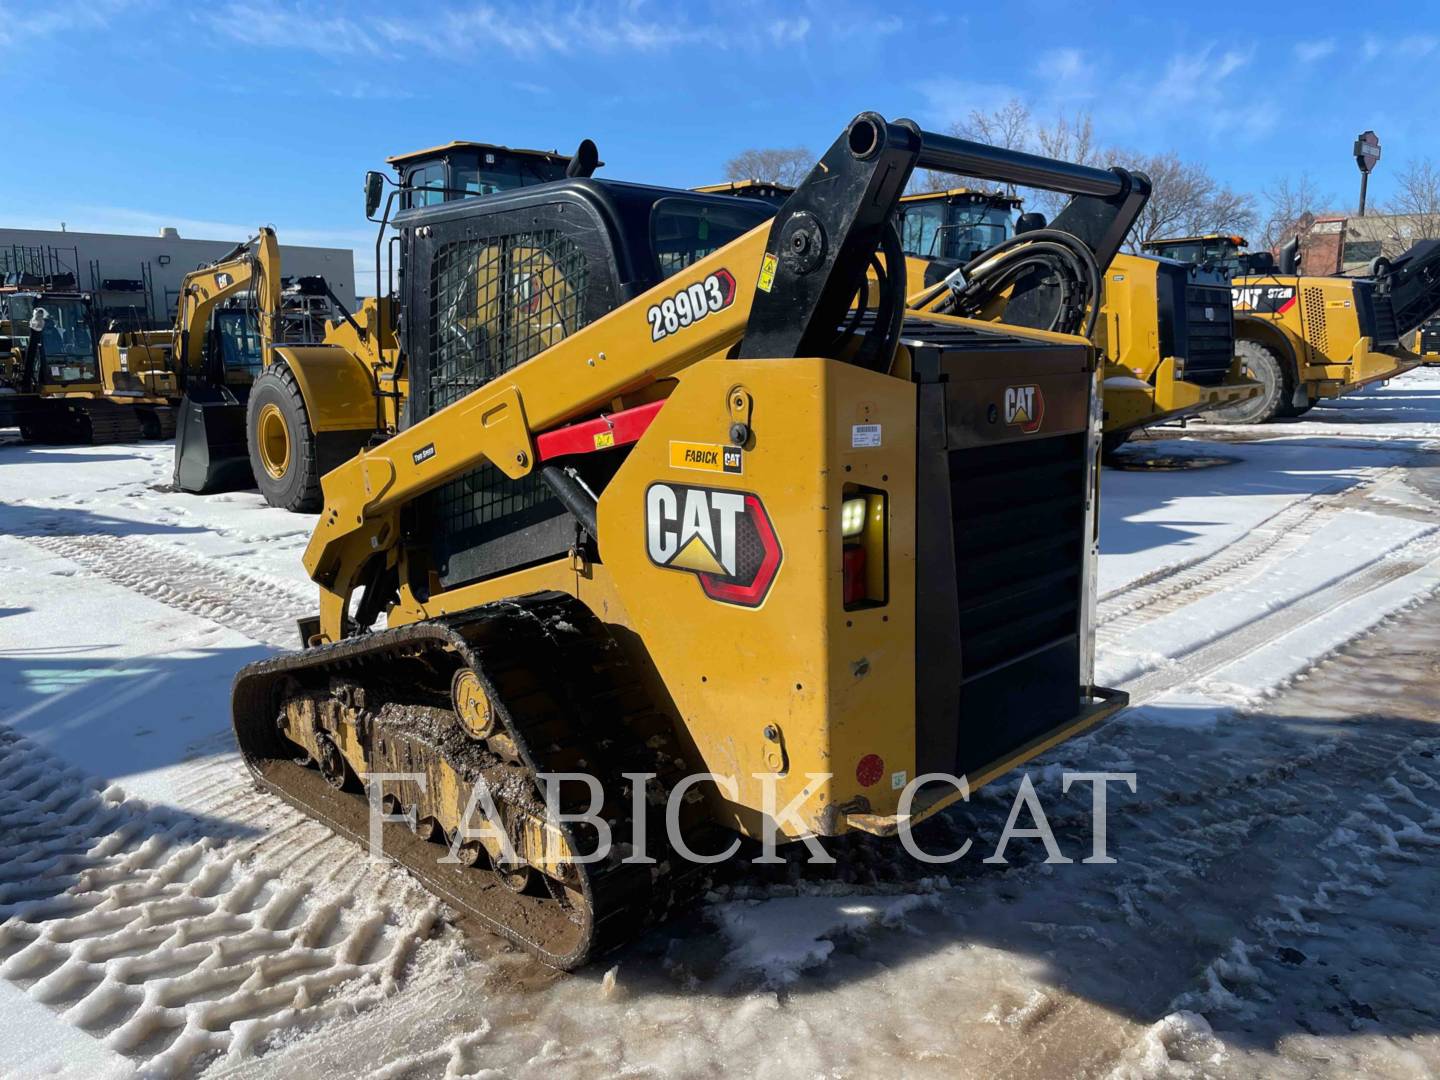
[[210, 445]]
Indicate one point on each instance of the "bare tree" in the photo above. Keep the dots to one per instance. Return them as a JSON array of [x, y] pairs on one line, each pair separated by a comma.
[[1068, 139], [1291, 208], [774, 165], [1417, 198], [1008, 125], [1184, 200]]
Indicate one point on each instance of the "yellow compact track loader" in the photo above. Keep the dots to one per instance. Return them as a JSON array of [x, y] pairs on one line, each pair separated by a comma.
[[1306, 337], [55, 388], [1164, 327], [680, 534]]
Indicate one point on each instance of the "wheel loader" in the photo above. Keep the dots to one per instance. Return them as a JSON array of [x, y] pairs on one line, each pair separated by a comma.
[[1164, 327], [677, 533], [1306, 337], [53, 385]]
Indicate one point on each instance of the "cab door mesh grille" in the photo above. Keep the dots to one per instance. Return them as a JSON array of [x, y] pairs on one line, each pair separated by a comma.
[[495, 302]]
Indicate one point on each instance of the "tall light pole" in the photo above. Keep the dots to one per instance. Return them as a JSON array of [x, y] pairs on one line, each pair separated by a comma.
[[1367, 156]]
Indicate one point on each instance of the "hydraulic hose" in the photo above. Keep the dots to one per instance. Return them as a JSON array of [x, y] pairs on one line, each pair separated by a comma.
[[1047, 250]]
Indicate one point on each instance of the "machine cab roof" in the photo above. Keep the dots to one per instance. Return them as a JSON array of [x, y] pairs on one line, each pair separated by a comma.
[[1220, 251], [459, 169], [749, 189]]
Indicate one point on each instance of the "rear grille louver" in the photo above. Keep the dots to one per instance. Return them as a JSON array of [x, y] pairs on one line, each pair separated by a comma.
[[1019, 518], [1210, 334], [1315, 317]]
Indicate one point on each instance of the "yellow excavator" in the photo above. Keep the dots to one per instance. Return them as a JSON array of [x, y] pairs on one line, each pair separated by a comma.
[[1306, 337], [55, 387], [678, 533], [1164, 327]]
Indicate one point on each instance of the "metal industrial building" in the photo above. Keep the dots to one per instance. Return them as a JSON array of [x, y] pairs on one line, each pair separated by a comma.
[[137, 279]]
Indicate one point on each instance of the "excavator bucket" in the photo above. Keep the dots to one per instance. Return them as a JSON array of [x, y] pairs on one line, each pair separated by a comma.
[[210, 450]]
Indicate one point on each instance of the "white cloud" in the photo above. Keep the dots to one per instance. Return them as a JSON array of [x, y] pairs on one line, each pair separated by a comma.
[[1067, 65], [1410, 47], [568, 29], [952, 101], [1308, 52], [28, 21], [1199, 75], [786, 31]]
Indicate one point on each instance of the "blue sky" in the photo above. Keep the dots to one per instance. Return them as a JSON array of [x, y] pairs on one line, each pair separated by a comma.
[[215, 116]]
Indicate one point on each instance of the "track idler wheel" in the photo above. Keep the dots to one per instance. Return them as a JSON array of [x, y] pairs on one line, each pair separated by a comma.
[[472, 707]]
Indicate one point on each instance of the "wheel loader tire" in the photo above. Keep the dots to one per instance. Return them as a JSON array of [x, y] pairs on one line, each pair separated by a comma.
[[1275, 376], [1110, 442], [281, 444], [1295, 410]]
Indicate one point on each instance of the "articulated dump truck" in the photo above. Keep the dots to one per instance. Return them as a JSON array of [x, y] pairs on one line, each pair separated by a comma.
[[679, 531], [1306, 337]]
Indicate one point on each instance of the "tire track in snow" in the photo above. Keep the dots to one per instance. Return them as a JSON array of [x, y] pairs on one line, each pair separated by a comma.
[[1148, 599], [1219, 652], [1185, 582], [152, 930], [272, 922], [251, 605]]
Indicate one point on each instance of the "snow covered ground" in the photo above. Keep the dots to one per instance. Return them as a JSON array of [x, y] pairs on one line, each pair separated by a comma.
[[1271, 910]]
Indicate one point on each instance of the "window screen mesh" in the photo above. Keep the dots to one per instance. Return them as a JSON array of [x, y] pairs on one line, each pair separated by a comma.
[[495, 303]]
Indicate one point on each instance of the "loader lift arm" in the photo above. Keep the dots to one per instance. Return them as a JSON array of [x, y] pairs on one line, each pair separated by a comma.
[[794, 282]]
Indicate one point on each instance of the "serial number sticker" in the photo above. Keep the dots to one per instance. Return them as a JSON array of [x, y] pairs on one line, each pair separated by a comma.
[[865, 435], [767, 273], [707, 457], [689, 305]]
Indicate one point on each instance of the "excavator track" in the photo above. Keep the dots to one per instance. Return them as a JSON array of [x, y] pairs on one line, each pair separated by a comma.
[[562, 698], [157, 421], [80, 420]]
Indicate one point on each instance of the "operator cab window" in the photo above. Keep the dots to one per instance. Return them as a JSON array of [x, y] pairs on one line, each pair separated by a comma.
[[427, 183], [921, 229], [486, 173], [684, 231], [238, 331]]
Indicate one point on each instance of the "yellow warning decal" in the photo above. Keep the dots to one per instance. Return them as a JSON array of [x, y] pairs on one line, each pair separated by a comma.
[[767, 272], [707, 457], [604, 439]]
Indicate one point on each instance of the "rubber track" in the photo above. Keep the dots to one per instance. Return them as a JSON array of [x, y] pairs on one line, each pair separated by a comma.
[[562, 689]]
